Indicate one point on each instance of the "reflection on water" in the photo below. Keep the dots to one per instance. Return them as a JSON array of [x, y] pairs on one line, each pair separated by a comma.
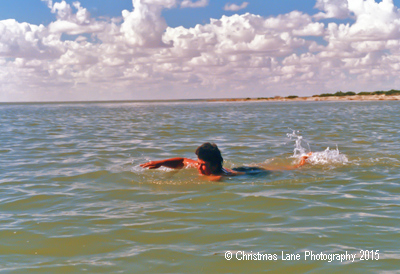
[[74, 199]]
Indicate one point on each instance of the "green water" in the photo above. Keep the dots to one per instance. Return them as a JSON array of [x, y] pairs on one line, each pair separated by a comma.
[[73, 198]]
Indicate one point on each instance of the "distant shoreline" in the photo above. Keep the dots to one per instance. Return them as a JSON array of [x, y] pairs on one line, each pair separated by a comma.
[[292, 98], [314, 99]]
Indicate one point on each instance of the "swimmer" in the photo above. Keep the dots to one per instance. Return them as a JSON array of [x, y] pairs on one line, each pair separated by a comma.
[[209, 163]]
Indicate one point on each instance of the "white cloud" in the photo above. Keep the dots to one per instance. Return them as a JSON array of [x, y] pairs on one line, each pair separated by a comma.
[[141, 57], [70, 23], [234, 7], [312, 29], [333, 9], [19, 40], [196, 4]]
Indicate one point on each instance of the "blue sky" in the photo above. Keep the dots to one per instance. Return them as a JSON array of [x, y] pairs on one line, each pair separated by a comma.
[[37, 12], [168, 49]]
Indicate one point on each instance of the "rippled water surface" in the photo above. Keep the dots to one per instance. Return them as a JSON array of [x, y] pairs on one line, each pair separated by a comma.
[[73, 198]]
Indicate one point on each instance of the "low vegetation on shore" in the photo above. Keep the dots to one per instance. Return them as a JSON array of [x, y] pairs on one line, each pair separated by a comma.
[[351, 93], [392, 94], [337, 94]]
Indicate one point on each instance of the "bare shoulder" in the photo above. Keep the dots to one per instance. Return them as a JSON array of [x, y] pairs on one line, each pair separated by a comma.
[[189, 162]]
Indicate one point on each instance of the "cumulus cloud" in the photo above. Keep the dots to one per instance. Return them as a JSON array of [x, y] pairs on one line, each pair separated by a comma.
[[196, 4], [140, 57], [333, 9], [19, 40], [234, 7], [144, 26], [73, 23]]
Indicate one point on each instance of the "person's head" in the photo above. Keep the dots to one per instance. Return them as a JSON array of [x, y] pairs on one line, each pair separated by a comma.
[[209, 159]]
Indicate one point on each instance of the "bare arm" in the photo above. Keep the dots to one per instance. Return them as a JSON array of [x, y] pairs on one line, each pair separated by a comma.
[[176, 163], [285, 167]]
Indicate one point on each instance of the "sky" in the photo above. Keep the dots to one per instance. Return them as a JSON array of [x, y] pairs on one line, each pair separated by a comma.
[[192, 49]]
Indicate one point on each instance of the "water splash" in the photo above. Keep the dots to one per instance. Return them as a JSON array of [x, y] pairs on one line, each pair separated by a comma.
[[327, 157], [302, 148]]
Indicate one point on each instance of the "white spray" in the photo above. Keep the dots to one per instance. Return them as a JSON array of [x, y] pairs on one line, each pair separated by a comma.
[[327, 156]]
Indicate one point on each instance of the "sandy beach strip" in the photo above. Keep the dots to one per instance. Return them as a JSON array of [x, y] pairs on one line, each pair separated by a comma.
[[312, 99]]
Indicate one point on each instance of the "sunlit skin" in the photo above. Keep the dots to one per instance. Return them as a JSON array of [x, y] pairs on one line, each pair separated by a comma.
[[208, 169], [204, 167]]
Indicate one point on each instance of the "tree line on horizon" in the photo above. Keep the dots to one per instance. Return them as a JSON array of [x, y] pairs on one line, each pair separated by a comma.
[[339, 94], [352, 93]]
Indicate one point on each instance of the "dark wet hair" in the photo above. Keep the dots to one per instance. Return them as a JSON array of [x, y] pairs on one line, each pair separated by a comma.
[[209, 152]]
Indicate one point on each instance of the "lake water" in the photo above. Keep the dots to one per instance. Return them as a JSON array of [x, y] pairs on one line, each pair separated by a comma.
[[73, 198]]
